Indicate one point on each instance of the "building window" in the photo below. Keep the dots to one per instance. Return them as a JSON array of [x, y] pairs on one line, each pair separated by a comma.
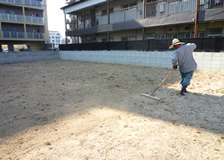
[[160, 36], [184, 35], [129, 5], [93, 40], [171, 35], [150, 35], [105, 39], [104, 12], [133, 4], [129, 38], [124, 39], [201, 34], [215, 32]]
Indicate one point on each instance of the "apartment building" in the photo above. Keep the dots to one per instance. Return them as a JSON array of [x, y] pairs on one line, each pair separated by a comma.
[[23, 22], [55, 38], [128, 20]]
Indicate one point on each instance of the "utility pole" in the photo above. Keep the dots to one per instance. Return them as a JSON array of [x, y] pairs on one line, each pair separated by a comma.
[[108, 13], [196, 20], [143, 17]]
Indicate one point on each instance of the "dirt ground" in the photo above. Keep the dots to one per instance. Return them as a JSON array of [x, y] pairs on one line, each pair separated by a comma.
[[70, 110]]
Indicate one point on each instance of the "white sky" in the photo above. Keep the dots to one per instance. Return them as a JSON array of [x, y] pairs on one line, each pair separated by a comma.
[[56, 16]]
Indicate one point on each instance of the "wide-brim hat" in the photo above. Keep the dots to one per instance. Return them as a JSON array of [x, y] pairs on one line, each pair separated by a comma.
[[175, 42]]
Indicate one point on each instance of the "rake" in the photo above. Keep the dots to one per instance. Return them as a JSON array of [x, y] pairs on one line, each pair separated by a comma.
[[151, 96]]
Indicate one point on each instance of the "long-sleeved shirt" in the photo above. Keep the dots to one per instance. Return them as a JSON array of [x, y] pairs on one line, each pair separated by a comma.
[[184, 57]]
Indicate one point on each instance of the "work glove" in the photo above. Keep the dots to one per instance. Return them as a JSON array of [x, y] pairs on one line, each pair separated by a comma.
[[175, 67]]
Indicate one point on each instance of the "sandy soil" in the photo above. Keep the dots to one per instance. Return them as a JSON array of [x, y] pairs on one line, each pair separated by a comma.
[[69, 110]]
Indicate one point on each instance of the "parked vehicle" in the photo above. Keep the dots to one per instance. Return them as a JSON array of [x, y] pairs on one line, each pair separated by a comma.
[[23, 49], [5, 50]]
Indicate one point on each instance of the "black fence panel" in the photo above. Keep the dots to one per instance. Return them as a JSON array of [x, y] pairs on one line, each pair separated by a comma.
[[101, 46], [219, 44], [117, 45], [198, 42], [88, 46], [158, 44], [209, 44], [222, 43], [168, 43], [79, 47], [137, 45], [203, 44]]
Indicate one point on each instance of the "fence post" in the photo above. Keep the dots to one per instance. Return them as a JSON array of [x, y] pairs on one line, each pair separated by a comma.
[[108, 46], [148, 44], [201, 41], [126, 45]]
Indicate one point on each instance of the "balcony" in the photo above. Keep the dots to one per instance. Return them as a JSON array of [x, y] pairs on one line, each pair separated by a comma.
[[21, 35], [119, 16], [34, 3], [32, 19], [19, 2], [33, 35], [11, 17], [153, 9], [19, 18], [11, 34]]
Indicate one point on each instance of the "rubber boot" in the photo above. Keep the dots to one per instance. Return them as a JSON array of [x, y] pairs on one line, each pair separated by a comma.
[[183, 90]]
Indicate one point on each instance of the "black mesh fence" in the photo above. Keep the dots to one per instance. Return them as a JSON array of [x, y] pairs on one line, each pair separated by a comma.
[[203, 44]]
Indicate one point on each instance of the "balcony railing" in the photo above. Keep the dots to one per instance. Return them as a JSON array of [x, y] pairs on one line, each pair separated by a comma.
[[32, 19], [11, 34], [19, 2], [33, 3], [152, 9], [19, 18], [32, 35], [11, 17], [21, 35]]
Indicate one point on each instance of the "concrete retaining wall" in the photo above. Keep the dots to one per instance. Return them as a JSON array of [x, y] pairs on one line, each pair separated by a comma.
[[207, 61], [18, 57]]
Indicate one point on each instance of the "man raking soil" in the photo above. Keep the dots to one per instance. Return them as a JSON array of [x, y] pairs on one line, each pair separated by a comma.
[[183, 57]]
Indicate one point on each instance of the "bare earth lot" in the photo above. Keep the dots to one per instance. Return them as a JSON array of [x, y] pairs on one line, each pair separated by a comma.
[[70, 110]]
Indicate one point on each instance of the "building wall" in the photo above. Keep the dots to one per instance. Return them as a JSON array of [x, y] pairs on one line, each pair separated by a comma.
[[159, 24], [167, 31], [23, 23]]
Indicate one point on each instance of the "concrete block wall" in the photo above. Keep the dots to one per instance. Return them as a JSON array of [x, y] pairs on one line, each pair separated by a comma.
[[143, 58], [18, 57], [210, 61], [207, 61]]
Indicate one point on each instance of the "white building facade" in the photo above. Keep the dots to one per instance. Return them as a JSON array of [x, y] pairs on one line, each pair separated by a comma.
[[55, 38]]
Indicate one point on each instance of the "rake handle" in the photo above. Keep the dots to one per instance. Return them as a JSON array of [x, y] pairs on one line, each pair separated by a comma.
[[164, 80]]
